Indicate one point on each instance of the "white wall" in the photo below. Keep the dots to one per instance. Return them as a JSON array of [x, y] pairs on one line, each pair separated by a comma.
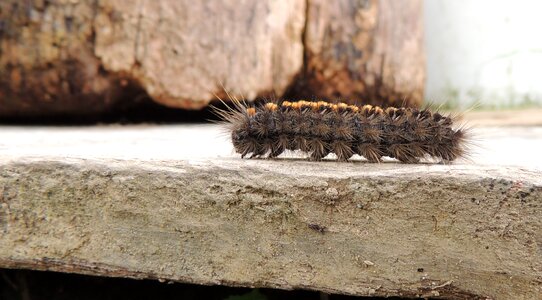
[[485, 51]]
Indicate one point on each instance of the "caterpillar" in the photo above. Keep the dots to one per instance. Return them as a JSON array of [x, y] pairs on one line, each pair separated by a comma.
[[320, 128]]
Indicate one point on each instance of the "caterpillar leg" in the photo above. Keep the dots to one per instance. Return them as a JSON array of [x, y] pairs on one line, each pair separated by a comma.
[[276, 149], [246, 147], [317, 149], [404, 153], [260, 149], [342, 149], [371, 152]]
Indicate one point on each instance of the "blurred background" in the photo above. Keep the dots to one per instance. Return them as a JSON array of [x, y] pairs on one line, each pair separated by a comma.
[[483, 52], [96, 59]]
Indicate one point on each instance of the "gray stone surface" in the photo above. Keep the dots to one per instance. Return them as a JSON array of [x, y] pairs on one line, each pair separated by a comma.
[[174, 203]]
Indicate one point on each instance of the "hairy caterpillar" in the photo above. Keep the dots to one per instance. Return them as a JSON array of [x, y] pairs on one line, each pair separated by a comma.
[[320, 128]]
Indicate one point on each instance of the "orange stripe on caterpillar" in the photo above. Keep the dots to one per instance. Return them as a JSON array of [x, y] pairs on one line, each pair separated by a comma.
[[320, 128], [251, 111], [271, 106]]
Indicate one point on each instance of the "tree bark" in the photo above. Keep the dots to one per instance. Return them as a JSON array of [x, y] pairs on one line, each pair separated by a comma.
[[84, 57], [367, 51], [92, 56]]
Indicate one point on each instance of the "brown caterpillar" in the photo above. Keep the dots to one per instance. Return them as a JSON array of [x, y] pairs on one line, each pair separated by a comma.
[[320, 128]]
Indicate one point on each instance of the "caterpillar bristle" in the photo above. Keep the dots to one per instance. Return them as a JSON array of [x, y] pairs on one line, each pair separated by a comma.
[[318, 149], [342, 149], [320, 128]]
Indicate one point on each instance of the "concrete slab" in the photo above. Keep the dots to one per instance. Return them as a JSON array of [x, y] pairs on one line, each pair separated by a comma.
[[175, 203], [517, 146]]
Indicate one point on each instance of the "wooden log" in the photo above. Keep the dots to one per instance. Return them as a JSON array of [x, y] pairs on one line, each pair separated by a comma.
[[181, 51], [88, 57], [79, 57], [367, 51], [47, 61]]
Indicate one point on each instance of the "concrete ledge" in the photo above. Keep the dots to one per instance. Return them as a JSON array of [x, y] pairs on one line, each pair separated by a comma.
[[518, 117], [392, 230], [173, 203]]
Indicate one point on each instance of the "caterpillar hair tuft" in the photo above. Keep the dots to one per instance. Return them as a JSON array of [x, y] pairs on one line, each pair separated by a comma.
[[320, 128]]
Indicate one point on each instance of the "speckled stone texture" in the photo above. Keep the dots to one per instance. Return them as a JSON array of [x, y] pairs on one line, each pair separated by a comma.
[[145, 202]]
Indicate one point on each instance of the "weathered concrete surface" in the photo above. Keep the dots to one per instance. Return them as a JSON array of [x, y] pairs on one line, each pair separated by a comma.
[[173, 203]]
